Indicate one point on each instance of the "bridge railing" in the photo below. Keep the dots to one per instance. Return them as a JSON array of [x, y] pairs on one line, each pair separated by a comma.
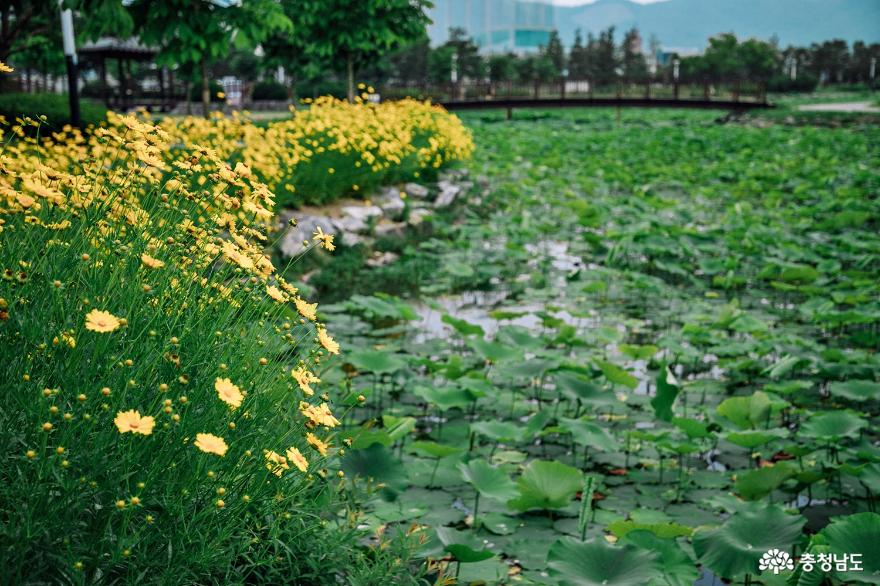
[[480, 90]]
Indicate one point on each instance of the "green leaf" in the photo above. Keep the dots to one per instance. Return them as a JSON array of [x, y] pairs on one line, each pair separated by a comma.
[[463, 545], [578, 388], [637, 352], [494, 351], [597, 563], [733, 549], [617, 375], [376, 462], [753, 438], [665, 530], [376, 361], [667, 391], [832, 426], [860, 534], [746, 412], [589, 434], [677, 567], [501, 431], [463, 327], [756, 484], [488, 480], [856, 390], [546, 485], [435, 450]]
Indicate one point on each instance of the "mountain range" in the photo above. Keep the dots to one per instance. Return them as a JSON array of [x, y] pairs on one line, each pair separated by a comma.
[[689, 23]]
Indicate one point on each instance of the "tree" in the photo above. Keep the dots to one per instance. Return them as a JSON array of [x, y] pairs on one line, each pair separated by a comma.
[[354, 33], [20, 19], [555, 53], [635, 68], [201, 32], [577, 58], [828, 61], [605, 58], [502, 67]]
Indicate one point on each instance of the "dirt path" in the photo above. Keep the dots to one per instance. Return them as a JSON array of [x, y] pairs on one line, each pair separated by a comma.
[[866, 107]]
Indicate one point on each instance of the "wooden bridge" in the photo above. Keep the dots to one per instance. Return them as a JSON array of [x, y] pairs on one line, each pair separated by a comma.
[[735, 96]]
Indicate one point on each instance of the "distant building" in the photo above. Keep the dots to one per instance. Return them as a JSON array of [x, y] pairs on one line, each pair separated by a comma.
[[664, 55], [497, 26]]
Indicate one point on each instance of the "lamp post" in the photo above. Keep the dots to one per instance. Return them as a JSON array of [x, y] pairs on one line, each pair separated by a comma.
[[675, 65], [70, 60]]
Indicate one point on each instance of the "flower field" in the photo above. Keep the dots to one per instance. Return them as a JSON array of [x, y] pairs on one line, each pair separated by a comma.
[[162, 421]]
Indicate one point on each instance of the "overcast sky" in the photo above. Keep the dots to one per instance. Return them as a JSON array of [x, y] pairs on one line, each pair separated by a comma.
[[579, 2]]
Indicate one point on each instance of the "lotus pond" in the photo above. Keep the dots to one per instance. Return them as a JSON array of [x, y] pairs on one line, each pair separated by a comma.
[[644, 351]]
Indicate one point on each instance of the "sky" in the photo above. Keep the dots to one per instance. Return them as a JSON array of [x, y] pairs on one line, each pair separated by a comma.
[[581, 2]]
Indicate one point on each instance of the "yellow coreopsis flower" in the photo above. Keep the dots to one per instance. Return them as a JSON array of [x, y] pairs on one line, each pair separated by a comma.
[[307, 310], [319, 415], [101, 321], [153, 263], [298, 460], [132, 421], [275, 462], [228, 392], [325, 240], [304, 378], [275, 293], [5, 68], [211, 444], [317, 443], [327, 342]]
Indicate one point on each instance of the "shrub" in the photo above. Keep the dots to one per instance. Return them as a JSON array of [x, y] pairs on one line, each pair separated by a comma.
[[332, 148], [784, 84], [161, 422], [54, 106], [269, 89], [195, 92]]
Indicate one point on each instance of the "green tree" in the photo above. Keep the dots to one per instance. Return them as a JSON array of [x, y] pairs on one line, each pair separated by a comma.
[[198, 33], [577, 58], [502, 67], [635, 68], [355, 33], [555, 54], [604, 57]]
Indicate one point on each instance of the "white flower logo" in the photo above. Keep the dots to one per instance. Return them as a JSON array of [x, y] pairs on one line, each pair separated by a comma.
[[776, 560]]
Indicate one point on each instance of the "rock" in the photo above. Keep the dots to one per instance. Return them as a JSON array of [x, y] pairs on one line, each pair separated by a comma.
[[356, 218], [390, 203], [416, 190], [417, 216], [448, 192], [389, 230], [483, 181], [291, 244], [381, 259]]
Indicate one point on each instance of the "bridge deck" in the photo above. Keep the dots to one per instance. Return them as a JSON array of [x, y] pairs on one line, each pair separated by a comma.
[[516, 103]]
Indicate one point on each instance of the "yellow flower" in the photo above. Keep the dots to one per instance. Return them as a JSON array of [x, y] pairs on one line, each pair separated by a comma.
[[307, 310], [5, 68], [275, 293], [228, 392], [101, 321], [327, 342], [319, 415], [211, 444], [325, 240], [153, 263], [298, 459], [317, 443], [304, 378], [132, 421], [275, 462]]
